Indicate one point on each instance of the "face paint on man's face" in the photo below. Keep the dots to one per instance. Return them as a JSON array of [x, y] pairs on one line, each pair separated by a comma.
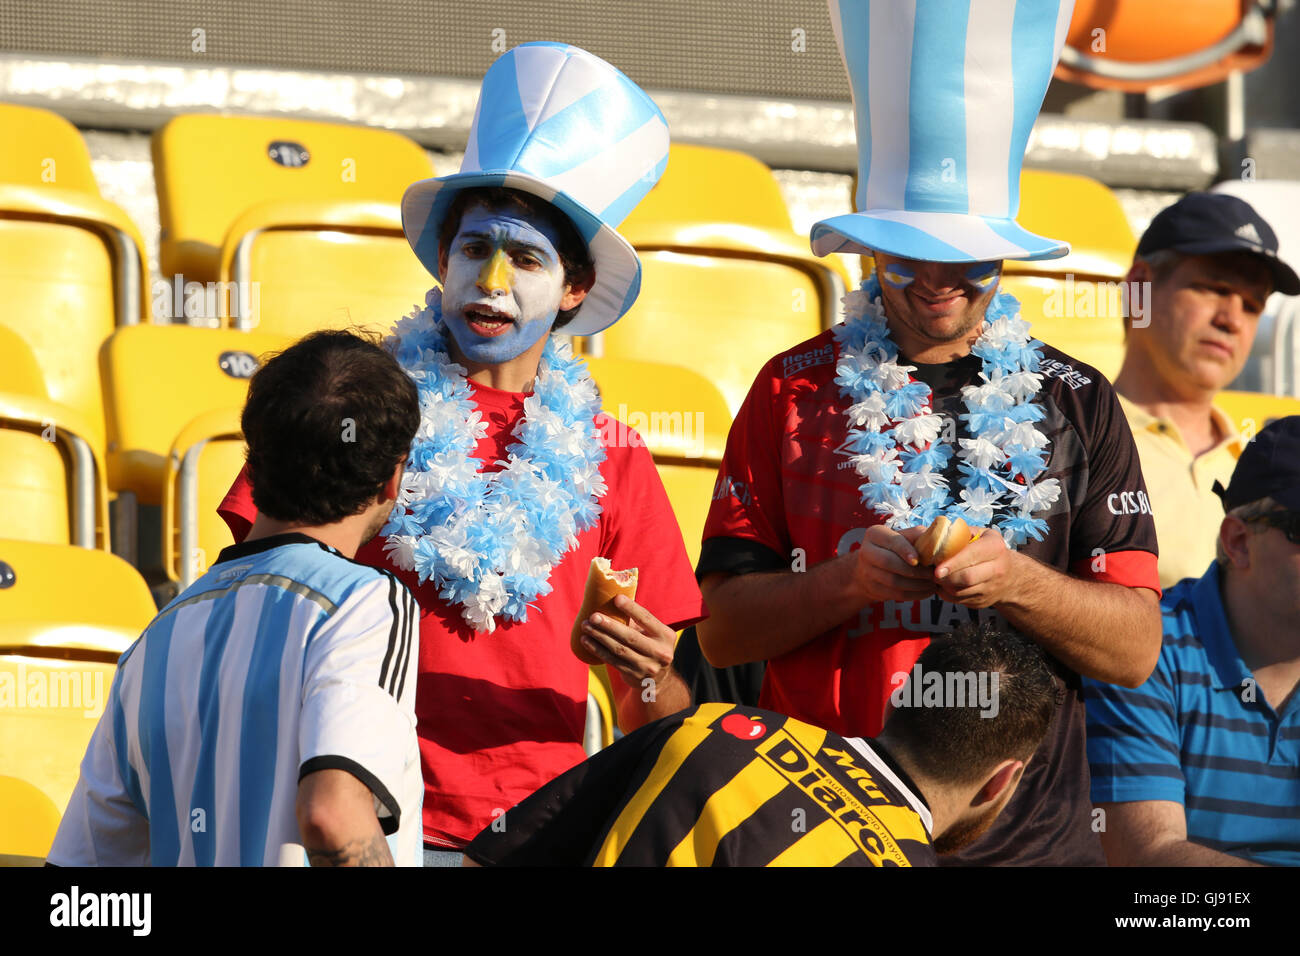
[[983, 275], [897, 276], [502, 285]]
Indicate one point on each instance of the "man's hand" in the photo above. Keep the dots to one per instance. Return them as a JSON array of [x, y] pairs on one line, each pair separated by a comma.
[[980, 574], [887, 568], [642, 654], [638, 651]]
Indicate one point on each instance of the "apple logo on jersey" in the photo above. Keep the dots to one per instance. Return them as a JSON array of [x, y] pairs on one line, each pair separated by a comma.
[[738, 725]]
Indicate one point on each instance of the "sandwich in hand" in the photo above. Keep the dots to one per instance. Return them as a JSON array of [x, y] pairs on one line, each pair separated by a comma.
[[603, 585]]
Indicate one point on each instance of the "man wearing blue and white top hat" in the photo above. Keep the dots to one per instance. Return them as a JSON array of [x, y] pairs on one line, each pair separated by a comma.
[[932, 399], [523, 240]]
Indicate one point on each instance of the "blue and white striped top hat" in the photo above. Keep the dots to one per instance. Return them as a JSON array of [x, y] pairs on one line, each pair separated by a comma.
[[557, 122], [945, 93]]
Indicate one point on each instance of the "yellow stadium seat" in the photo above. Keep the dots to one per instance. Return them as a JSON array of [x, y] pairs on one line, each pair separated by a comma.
[[1081, 317], [66, 614], [42, 148], [72, 265], [684, 421], [52, 486], [1083, 212], [706, 184], [723, 298], [81, 601], [211, 169], [312, 265], [157, 379], [204, 456], [1251, 411], [28, 821]]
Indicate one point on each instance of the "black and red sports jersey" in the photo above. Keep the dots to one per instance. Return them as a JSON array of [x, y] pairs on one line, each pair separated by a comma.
[[787, 493], [720, 785]]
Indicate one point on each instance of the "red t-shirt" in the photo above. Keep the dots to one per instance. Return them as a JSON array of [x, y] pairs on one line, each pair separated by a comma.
[[501, 714], [786, 482]]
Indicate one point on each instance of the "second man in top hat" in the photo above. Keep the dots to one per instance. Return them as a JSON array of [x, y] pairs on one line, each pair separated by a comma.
[[936, 401]]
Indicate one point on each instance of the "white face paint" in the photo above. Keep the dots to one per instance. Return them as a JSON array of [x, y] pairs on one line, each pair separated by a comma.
[[502, 285]]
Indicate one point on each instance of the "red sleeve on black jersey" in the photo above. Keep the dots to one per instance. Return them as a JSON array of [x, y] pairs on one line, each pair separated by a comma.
[[1114, 534], [747, 499]]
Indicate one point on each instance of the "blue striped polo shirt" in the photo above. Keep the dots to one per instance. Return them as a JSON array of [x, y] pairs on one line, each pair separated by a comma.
[[1199, 733]]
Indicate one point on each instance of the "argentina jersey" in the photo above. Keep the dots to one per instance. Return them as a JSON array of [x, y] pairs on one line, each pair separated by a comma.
[[285, 658]]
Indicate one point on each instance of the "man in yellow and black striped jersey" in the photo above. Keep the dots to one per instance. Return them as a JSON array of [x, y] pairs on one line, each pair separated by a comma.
[[721, 785]]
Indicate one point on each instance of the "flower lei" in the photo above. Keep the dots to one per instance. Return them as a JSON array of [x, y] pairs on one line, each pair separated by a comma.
[[489, 541], [895, 439]]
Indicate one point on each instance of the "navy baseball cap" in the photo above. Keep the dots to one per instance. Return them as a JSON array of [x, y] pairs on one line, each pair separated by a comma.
[[1208, 223], [1269, 467]]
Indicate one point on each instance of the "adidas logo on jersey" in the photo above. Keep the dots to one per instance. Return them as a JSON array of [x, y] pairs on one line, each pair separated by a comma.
[[1249, 233]]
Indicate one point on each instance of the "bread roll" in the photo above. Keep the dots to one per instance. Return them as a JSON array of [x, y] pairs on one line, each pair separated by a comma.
[[942, 540], [603, 585]]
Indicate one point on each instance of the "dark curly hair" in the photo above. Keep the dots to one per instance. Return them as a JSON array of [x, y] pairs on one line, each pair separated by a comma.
[[326, 422], [579, 269], [960, 742]]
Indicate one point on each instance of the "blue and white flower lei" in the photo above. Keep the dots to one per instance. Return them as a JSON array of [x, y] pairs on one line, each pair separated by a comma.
[[490, 540], [896, 439]]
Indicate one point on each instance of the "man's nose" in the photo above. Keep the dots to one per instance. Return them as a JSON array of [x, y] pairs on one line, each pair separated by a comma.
[[939, 276], [1231, 314], [494, 277]]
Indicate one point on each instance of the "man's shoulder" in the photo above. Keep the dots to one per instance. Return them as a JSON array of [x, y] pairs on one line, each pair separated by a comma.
[[1065, 375], [1181, 618], [308, 569], [812, 358]]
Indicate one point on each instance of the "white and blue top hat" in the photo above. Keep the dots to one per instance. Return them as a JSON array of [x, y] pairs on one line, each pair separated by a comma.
[[562, 124], [945, 93]]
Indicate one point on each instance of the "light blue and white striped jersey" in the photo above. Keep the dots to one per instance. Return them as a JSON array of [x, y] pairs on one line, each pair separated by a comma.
[[1199, 733], [285, 658]]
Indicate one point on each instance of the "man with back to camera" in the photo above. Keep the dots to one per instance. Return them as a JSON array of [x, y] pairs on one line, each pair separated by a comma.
[[1200, 766], [272, 702], [1211, 261], [724, 785], [932, 399], [562, 148]]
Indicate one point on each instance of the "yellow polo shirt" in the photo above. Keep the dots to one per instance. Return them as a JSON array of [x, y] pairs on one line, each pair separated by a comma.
[[1187, 512]]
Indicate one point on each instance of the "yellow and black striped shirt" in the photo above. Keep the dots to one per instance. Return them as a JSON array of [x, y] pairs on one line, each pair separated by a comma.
[[720, 785]]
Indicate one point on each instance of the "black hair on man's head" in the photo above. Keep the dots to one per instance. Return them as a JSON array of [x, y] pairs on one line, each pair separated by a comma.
[[962, 737], [326, 422], [579, 269]]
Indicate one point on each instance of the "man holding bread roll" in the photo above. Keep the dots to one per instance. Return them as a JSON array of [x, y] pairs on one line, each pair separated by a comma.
[[930, 403], [517, 480]]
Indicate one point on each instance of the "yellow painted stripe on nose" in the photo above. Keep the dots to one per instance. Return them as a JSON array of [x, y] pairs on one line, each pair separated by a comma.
[[495, 273]]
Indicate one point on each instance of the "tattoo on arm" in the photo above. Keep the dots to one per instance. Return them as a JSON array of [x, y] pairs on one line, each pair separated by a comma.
[[365, 852]]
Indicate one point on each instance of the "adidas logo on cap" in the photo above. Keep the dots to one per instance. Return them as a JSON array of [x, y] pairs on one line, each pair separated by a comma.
[[1249, 233]]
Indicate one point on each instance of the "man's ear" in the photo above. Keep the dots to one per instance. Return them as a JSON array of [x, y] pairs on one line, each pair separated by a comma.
[[1232, 535], [1140, 271], [1005, 775], [575, 292], [393, 486]]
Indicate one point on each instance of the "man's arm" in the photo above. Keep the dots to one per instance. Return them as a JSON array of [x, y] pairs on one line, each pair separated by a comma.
[[759, 616], [1154, 833], [336, 817], [640, 661], [1098, 629]]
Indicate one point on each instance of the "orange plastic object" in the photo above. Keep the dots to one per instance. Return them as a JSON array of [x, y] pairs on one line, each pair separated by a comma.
[[1153, 31]]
